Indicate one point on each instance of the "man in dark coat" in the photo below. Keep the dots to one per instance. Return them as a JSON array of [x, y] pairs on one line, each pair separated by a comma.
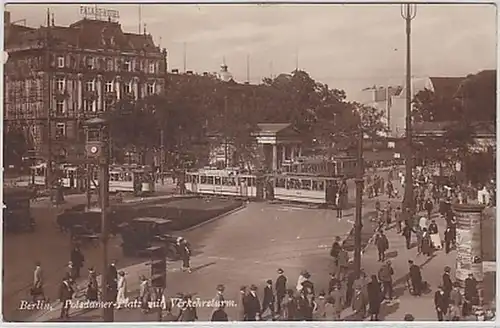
[[407, 230], [268, 300], [305, 306], [254, 311], [447, 283], [335, 250], [374, 298], [243, 310], [428, 207], [333, 282], [307, 285], [280, 287], [113, 280], [471, 294], [441, 303], [382, 245], [77, 258], [66, 292], [415, 278]]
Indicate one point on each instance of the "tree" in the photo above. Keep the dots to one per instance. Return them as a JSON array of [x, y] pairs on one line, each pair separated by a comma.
[[15, 146], [430, 107]]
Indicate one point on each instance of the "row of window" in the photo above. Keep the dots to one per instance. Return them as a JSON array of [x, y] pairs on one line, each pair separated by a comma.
[[221, 181], [87, 105], [127, 65], [109, 86]]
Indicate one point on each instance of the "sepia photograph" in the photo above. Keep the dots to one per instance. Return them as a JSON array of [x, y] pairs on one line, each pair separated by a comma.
[[249, 162]]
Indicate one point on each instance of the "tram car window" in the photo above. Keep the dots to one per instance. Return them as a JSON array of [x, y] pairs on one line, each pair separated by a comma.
[[280, 183], [306, 184], [210, 180], [203, 179], [218, 181]]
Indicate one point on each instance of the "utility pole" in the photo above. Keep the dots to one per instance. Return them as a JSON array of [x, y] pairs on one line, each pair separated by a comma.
[[408, 12], [226, 151], [48, 44], [162, 132], [108, 312], [358, 225]]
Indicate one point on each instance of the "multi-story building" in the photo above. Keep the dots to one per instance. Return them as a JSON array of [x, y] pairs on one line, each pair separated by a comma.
[[56, 77]]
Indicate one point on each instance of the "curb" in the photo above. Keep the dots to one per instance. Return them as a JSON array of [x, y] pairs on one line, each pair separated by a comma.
[[215, 218]]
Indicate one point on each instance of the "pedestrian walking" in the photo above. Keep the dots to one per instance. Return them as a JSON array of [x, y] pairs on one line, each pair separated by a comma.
[[121, 297], [399, 217], [288, 306], [305, 306], [66, 293], [185, 253], [447, 283], [254, 310], [441, 303], [429, 207], [307, 285], [77, 259], [92, 292], [37, 288], [300, 280], [415, 275], [268, 299], [338, 204], [338, 299], [407, 230], [359, 305], [187, 311], [144, 294], [382, 245], [335, 250], [112, 279], [219, 299], [426, 243], [456, 301], [280, 287], [330, 313], [448, 239], [70, 271], [374, 298], [471, 294], [320, 309], [243, 305], [343, 263], [385, 274]]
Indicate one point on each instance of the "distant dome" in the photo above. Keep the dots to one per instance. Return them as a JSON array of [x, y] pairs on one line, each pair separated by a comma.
[[224, 74]]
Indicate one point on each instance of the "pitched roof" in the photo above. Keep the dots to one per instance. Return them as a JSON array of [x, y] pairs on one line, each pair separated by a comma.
[[87, 34], [446, 86], [272, 127]]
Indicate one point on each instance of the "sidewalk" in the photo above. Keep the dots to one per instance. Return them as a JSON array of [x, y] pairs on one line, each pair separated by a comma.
[[422, 308]]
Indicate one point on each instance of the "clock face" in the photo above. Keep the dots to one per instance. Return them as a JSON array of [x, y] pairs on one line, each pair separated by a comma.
[[93, 149]]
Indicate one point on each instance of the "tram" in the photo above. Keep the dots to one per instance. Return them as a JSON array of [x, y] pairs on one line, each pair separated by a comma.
[[38, 174], [344, 167], [305, 188], [225, 183], [125, 178], [70, 176]]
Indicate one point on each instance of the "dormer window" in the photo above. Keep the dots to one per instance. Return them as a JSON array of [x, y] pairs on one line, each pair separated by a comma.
[[127, 87], [151, 89], [152, 68], [109, 86]]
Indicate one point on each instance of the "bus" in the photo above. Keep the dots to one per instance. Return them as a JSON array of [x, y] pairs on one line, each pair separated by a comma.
[[306, 188], [344, 166], [225, 183]]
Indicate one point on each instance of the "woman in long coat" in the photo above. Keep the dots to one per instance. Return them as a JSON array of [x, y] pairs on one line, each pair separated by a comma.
[[374, 298], [289, 306]]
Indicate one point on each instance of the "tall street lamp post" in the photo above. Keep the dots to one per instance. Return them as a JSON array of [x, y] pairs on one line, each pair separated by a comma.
[[408, 12], [358, 225]]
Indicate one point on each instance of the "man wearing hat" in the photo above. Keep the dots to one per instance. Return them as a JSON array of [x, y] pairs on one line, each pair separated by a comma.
[[219, 300], [268, 300], [471, 294], [37, 289], [447, 283], [280, 287], [66, 292], [254, 311], [78, 259], [92, 286], [441, 303]]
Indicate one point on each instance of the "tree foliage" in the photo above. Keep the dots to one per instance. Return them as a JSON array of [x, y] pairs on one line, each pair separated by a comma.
[[15, 145], [195, 107]]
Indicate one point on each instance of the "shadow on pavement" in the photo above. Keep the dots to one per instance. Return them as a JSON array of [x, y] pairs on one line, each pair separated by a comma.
[[203, 266], [388, 308]]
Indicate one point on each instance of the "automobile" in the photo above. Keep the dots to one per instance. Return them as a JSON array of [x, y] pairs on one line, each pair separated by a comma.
[[140, 233], [16, 210]]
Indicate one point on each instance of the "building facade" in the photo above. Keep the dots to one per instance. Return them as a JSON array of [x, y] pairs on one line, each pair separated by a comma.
[[56, 77]]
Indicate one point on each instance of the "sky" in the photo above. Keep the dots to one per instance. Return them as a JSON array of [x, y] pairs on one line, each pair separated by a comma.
[[348, 47]]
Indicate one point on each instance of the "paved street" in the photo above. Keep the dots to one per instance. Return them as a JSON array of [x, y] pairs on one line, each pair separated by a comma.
[[49, 246]]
